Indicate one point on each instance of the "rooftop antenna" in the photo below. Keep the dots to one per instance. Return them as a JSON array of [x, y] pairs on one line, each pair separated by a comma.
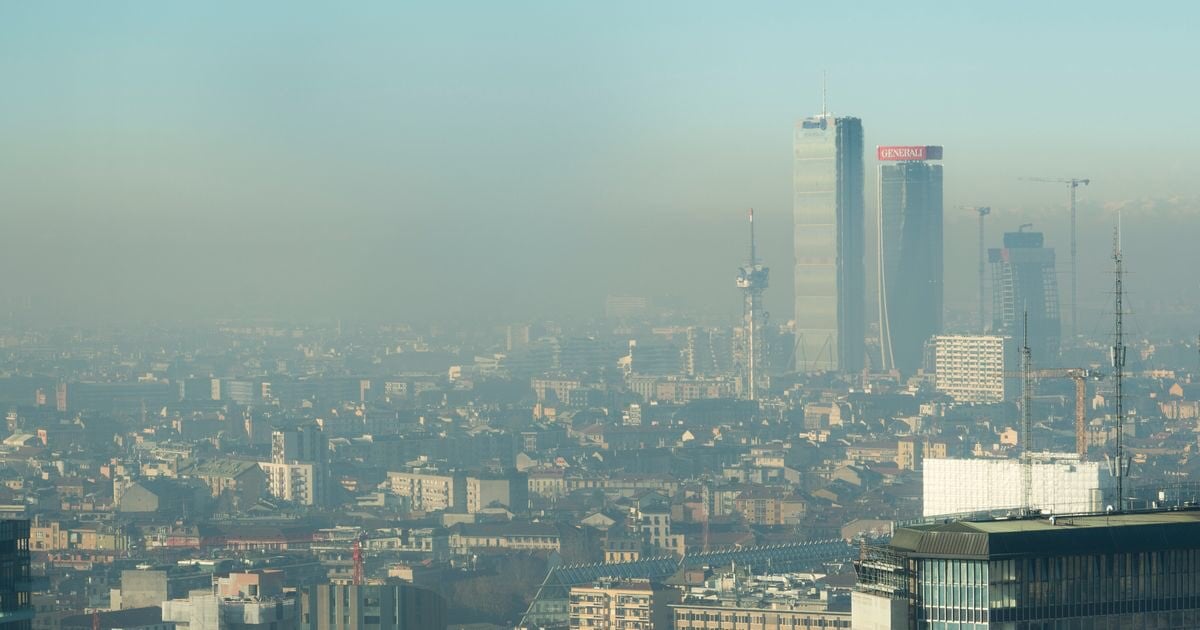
[[824, 94], [1118, 363]]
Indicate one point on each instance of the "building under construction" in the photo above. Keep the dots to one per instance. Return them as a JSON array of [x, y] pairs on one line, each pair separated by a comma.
[[1024, 282]]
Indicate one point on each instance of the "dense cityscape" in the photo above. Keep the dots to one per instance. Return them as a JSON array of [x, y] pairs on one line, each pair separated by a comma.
[[873, 454]]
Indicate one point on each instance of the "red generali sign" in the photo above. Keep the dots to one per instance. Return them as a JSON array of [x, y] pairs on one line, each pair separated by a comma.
[[908, 153]]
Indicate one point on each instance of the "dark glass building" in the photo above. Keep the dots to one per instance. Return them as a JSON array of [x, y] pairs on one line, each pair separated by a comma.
[[828, 215], [16, 611], [1102, 571], [389, 606], [910, 262], [1024, 281]]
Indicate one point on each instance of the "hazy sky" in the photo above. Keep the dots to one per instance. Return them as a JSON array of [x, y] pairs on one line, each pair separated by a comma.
[[511, 159]]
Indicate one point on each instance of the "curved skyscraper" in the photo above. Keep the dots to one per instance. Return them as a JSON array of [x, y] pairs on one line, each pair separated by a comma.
[[829, 236], [910, 254]]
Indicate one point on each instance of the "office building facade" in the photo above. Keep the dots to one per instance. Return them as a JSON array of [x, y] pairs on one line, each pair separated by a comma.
[[1104, 571], [1024, 282], [829, 235], [16, 609], [391, 606], [909, 223]]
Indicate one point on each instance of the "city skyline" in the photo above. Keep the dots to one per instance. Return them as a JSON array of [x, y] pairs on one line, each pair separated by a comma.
[[163, 146]]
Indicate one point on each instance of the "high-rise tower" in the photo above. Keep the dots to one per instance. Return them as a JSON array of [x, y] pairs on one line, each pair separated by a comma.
[[829, 239], [752, 280], [910, 254], [1023, 280]]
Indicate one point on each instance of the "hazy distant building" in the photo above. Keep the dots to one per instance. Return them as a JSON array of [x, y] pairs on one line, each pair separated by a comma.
[[625, 306], [1062, 483], [655, 356], [969, 368], [1024, 281], [709, 352], [299, 466], [828, 216], [910, 254]]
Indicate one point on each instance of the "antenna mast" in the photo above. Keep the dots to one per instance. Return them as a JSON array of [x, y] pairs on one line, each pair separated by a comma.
[[752, 279], [824, 102], [1118, 363], [1027, 418]]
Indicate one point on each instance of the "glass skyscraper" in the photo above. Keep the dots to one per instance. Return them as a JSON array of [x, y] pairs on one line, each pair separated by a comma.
[[828, 216], [910, 262], [1101, 571]]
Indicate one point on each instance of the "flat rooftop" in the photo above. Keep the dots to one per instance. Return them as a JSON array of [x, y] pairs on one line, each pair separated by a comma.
[[1052, 536]]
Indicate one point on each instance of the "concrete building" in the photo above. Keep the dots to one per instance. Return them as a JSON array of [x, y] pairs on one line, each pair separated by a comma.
[[300, 483], [773, 601], [1062, 484], [970, 368], [655, 356], [391, 606], [828, 237], [243, 483], [299, 466], [142, 588], [1103, 571], [910, 294], [149, 618], [431, 491], [510, 491], [615, 603], [911, 452], [240, 601]]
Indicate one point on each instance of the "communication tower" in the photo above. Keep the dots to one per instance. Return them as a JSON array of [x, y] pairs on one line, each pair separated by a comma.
[[752, 280]]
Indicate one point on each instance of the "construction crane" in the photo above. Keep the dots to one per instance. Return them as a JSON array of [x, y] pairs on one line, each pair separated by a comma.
[[1080, 376], [1072, 183], [1026, 419], [982, 211]]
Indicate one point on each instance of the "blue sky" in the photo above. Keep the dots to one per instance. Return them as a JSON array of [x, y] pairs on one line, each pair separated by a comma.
[[271, 158]]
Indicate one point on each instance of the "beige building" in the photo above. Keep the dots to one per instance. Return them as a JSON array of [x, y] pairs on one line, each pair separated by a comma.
[[910, 452], [632, 604], [430, 492], [969, 368], [293, 482], [708, 617]]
